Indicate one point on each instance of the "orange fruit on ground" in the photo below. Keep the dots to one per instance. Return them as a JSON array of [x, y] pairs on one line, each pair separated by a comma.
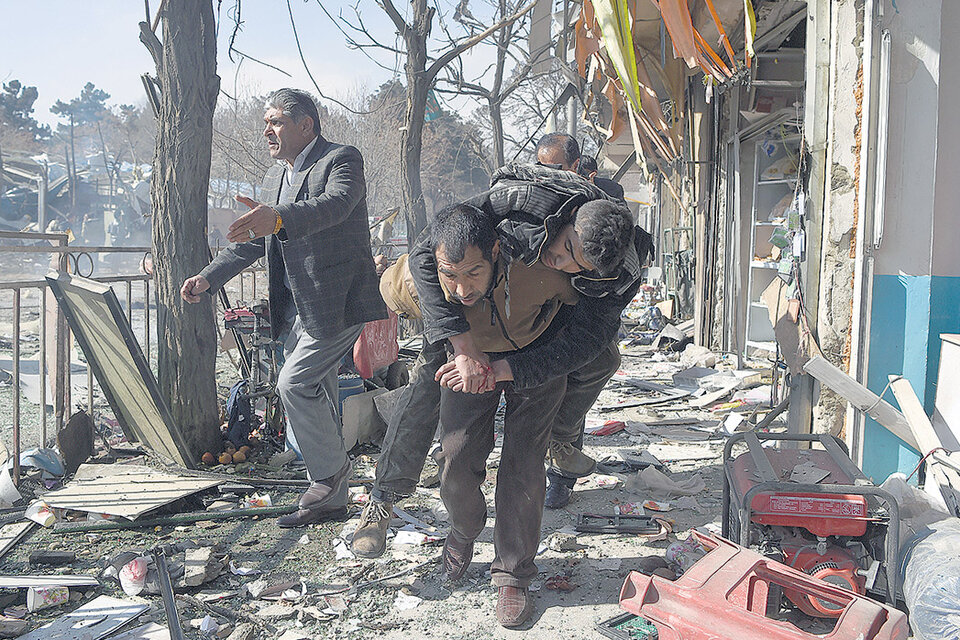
[[225, 458], [239, 456], [208, 458]]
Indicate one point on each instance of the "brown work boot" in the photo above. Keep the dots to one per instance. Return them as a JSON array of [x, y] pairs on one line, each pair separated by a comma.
[[456, 558], [514, 606], [370, 538], [570, 461]]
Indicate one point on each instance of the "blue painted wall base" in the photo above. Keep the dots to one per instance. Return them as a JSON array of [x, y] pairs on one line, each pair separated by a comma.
[[907, 317]]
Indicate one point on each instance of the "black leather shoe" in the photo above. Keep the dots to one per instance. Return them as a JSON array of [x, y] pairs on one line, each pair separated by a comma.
[[558, 495], [303, 517]]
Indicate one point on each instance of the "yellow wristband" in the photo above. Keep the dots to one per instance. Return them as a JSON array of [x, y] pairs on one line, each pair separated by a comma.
[[279, 224]]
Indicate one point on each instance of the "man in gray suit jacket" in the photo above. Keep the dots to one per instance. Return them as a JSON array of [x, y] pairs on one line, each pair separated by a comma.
[[312, 226]]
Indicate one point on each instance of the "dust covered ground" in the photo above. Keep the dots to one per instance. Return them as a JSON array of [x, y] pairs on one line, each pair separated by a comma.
[[403, 594]]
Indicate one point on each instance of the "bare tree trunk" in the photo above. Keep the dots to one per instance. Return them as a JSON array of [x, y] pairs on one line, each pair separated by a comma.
[[187, 343], [419, 80], [411, 143], [418, 86], [496, 122]]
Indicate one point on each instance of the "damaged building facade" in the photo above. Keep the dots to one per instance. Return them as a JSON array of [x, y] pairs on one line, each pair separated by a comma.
[[801, 157]]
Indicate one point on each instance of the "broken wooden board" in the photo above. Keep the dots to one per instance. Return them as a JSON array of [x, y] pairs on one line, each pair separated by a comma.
[[10, 534], [60, 580], [97, 619], [119, 366], [861, 398], [947, 478], [713, 396], [127, 491]]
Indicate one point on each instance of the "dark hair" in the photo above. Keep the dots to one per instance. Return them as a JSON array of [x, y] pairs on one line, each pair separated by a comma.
[[606, 231], [587, 166], [567, 144], [460, 226], [296, 104]]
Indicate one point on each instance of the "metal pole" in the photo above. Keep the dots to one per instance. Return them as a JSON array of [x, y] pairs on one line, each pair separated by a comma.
[[16, 386], [166, 593], [42, 199], [130, 303], [62, 374], [146, 319], [43, 366]]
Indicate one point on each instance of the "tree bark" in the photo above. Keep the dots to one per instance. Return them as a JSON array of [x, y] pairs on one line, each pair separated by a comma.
[[181, 173], [496, 123]]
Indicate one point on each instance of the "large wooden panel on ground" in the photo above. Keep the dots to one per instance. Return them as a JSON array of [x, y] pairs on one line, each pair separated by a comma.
[[128, 491], [117, 362]]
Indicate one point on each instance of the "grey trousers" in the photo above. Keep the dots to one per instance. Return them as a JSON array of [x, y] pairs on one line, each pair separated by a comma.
[[466, 439], [307, 384], [411, 428]]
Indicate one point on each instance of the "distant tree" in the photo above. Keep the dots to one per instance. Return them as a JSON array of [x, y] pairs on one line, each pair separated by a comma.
[[527, 110], [239, 152], [133, 129], [19, 130], [16, 109], [454, 163], [510, 45], [414, 25], [88, 108]]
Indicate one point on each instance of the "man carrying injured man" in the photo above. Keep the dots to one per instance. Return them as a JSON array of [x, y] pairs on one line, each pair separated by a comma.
[[509, 307], [584, 349]]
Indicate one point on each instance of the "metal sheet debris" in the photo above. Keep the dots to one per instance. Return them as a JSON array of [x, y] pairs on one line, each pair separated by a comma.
[[97, 619], [10, 534], [117, 362]]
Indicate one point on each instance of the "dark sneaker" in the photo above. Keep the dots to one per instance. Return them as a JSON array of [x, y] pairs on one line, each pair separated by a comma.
[[558, 495]]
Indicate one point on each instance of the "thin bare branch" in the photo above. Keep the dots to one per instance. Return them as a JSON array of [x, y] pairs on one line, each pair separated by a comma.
[[442, 61]]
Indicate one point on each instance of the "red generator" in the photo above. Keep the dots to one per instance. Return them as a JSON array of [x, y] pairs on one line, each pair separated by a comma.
[[811, 509]]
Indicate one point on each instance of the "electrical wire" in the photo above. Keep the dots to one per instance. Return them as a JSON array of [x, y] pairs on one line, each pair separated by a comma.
[[306, 68]]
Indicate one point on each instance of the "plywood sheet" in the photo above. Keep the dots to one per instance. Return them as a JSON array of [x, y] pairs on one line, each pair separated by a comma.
[[124, 490]]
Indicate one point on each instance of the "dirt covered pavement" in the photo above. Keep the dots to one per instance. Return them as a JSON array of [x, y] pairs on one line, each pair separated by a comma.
[[266, 582]]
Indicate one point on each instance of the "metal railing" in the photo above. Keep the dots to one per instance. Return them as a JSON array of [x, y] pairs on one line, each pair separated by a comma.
[[78, 260]]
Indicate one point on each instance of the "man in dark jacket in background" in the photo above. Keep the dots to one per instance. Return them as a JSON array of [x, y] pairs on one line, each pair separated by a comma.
[[588, 169], [312, 227]]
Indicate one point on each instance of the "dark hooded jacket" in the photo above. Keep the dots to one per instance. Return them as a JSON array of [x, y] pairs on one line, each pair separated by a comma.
[[531, 203]]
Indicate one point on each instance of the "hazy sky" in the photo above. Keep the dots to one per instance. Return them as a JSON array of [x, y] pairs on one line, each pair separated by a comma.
[[59, 45]]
